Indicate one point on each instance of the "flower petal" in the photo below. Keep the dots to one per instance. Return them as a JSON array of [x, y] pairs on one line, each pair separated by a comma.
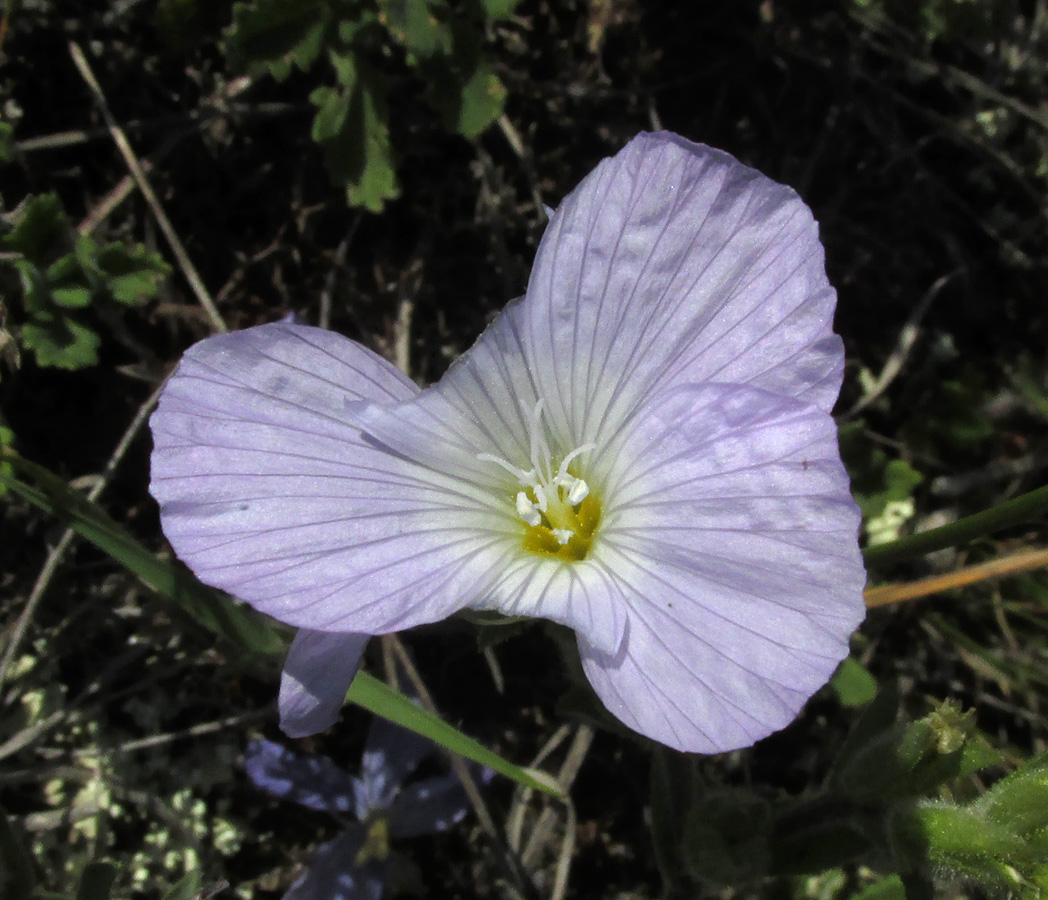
[[428, 806], [268, 491], [671, 263], [734, 538], [319, 669], [482, 406], [334, 875], [391, 754], [313, 781]]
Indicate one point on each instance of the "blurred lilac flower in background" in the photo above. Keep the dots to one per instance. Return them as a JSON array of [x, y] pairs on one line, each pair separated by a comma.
[[641, 448], [357, 864]]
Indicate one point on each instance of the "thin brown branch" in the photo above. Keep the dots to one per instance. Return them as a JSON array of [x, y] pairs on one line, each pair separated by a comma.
[[1015, 564], [189, 271]]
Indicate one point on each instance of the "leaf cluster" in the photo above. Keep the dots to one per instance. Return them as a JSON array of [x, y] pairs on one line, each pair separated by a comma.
[[887, 803], [364, 43], [63, 274]]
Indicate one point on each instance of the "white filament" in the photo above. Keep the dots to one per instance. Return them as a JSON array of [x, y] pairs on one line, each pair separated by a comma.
[[563, 486]]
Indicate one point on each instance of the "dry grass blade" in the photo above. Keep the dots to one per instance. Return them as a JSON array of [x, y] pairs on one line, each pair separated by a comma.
[[120, 139], [997, 568]]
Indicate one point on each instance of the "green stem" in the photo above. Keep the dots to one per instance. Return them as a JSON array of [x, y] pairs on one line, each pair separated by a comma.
[[1013, 512]]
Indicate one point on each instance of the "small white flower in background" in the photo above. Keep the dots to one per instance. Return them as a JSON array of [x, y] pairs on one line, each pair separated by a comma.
[[641, 448], [357, 864]]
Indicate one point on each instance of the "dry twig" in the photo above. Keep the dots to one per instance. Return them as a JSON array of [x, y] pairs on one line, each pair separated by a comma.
[[120, 139]]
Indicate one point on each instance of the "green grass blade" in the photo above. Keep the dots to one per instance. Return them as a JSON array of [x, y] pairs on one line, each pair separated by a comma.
[[238, 623], [1013, 512], [382, 700]]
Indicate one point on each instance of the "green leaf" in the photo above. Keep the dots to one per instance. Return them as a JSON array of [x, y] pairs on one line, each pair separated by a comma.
[[96, 882], [36, 297], [480, 102], [7, 439], [16, 866], [187, 888], [1020, 800], [239, 624], [7, 143], [62, 342], [817, 836], [463, 87], [71, 284], [853, 684], [40, 233], [72, 297], [889, 888], [277, 34], [898, 479], [671, 779], [498, 9], [350, 127], [884, 760], [727, 837], [417, 25], [934, 836], [131, 273]]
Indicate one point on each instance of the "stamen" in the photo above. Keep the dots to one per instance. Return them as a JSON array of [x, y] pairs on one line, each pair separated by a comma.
[[564, 463], [528, 511], [577, 492], [556, 505], [540, 452], [521, 476]]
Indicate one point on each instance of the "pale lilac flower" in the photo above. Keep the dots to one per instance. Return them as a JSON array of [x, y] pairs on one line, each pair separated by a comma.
[[641, 449], [356, 864]]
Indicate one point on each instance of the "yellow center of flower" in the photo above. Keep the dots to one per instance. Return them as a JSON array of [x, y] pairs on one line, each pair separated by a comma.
[[559, 513], [376, 841]]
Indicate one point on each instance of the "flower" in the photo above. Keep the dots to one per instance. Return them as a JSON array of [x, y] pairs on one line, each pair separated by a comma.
[[641, 448], [357, 863]]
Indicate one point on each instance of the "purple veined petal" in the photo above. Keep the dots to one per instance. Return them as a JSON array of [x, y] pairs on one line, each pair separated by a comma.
[[671, 263], [484, 407], [391, 754], [334, 875], [734, 537], [428, 806], [319, 669], [269, 491], [313, 781]]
